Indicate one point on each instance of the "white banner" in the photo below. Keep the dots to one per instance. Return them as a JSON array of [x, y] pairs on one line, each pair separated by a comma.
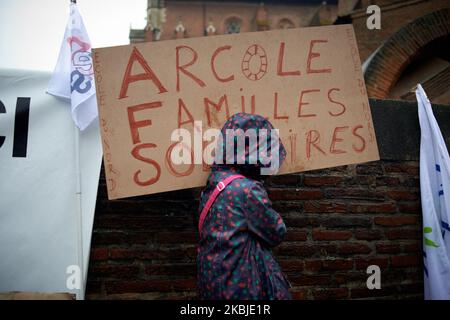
[[44, 238], [435, 196]]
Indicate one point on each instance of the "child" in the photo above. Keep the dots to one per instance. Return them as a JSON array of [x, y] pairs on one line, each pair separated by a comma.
[[237, 232]]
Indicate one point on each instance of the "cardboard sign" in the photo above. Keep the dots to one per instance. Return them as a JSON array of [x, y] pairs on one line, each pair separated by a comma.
[[307, 82]]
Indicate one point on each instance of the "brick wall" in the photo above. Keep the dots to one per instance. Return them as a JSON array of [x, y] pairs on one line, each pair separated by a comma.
[[388, 64], [344, 219], [340, 220], [195, 16], [393, 18]]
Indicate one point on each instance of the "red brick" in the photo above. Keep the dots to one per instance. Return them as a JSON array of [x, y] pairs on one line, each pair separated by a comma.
[[177, 237], [387, 181], [115, 271], [294, 194], [326, 249], [313, 265], [295, 235], [301, 222], [105, 238], [291, 265], [353, 248], [369, 169], [399, 195], [177, 253], [388, 248], [414, 207], [412, 247], [155, 204], [179, 269], [129, 253], [287, 206], [299, 294], [179, 222], [339, 169], [330, 293], [343, 221], [395, 220], [310, 280], [358, 293], [371, 207], [138, 222], [122, 253], [93, 287], [350, 277], [410, 288], [286, 179], [412, 274], [399, 167], [183, 295], [362, 234], [361, 263], [402, 234], [357, 180], [411, 182], [300, 250], [325, 206], [321, 181], [165, 253], [99, 254], [318, 234], [405, 261], [337, 264], [154, 285], [354, 193]]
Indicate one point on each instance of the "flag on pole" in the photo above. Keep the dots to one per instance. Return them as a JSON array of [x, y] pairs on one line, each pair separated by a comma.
[[435, 195], [73, 77]]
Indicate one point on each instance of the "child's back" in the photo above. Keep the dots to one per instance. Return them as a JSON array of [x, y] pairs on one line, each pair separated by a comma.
[[234, 256]]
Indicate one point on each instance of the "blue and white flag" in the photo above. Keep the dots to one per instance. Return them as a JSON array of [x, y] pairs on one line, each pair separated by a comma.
[[73, 77], [435, 195]]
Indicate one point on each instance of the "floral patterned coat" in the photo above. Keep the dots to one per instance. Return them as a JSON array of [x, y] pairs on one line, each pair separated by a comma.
[[234, 252]]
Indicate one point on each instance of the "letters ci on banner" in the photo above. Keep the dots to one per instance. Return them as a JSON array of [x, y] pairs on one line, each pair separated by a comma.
[[307, 82]]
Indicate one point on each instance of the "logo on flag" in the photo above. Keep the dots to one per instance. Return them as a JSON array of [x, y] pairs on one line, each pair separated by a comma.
[[81, 78], [435, 196], [73, 77]]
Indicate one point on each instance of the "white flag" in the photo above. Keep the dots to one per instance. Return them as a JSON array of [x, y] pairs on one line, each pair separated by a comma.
[[435, 195], [73, 77]]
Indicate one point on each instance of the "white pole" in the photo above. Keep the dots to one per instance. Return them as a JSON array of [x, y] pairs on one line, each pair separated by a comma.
[[79, 218]]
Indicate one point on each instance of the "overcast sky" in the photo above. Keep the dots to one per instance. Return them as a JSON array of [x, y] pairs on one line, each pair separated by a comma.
[[31, 31]]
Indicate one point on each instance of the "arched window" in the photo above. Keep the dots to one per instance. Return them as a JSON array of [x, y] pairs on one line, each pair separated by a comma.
[[233, 25], [285, 24], [210, 29], [180, 30]]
